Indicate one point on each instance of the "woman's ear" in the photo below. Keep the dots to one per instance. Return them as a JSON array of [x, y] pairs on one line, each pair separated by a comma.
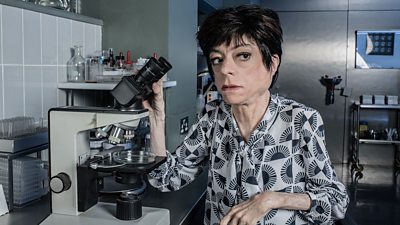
[[275, 60]]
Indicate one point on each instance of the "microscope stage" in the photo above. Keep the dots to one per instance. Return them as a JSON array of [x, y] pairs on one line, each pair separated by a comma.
[[104, 214]]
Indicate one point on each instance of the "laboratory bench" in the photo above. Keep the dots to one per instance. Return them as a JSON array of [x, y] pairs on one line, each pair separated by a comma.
[[374, 199], [185, 206]]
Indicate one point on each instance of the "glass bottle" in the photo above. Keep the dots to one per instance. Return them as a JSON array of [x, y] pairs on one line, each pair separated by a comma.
[[76, 66], [111, 57]]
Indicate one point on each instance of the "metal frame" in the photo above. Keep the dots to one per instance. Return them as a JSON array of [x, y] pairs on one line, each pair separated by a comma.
[[356, 167]]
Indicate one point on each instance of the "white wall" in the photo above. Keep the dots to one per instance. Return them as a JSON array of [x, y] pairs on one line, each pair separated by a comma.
[[34, 50]]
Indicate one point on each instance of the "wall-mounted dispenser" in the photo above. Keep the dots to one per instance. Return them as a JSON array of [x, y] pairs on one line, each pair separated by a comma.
[[330, 84]]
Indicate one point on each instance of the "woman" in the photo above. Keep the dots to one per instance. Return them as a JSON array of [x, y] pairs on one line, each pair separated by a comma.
[[267, 158]]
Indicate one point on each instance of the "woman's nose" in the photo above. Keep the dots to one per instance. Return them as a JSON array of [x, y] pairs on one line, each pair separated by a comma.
[[227, 67]]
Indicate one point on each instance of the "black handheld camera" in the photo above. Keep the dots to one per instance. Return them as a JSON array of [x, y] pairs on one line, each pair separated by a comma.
[[139, 86]]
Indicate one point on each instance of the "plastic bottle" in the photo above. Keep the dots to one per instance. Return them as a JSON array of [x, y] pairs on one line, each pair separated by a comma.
[[128, 62]]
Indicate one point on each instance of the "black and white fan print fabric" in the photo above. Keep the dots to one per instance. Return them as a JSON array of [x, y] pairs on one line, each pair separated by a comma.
[[285, 153]]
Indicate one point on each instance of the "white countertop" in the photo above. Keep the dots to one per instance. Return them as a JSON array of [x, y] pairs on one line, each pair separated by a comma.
[[101, 86]]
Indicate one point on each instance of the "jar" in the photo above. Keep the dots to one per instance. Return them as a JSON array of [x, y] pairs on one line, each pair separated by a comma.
[[363, 129], [76, 66], [94, 68]]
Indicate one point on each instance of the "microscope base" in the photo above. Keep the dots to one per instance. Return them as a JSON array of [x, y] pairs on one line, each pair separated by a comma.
[[104, 213]]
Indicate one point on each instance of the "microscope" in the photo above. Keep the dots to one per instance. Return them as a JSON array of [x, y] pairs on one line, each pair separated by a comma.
[[78, 177]]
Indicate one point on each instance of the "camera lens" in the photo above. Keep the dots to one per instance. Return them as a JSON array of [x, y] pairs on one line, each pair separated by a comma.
[[153, 70], [139, 86], [165, 65]]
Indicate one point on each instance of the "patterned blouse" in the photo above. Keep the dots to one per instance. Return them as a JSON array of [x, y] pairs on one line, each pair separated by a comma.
[[286, 153]]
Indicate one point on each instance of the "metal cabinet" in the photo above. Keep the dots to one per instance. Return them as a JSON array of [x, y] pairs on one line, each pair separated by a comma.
[[357, 139]]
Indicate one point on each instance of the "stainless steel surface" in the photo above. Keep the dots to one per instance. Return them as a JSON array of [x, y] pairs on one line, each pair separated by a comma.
[[374, 5], [319, 38], [379, 106], [371, 81], [371, 141], [314, 45], [305, 5]]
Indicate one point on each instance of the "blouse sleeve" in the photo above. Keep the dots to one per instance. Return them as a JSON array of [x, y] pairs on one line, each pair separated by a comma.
[[329, 199], [183, 166]]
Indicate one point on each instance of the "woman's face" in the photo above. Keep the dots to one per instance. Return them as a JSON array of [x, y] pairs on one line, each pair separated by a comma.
[[240, 74]]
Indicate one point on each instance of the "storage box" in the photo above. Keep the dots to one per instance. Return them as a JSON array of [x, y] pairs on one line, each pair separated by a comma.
[[392, 100], [366, 99], [23, 142], [30, 179], [379, 99]]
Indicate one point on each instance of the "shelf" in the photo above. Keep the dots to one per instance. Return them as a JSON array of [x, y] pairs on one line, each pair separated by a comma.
[[356, 110], [372, 106], [51, 11], [372, 141], [100, 86]]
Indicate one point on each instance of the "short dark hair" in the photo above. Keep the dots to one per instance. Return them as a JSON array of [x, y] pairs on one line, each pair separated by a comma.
[[261, 25]]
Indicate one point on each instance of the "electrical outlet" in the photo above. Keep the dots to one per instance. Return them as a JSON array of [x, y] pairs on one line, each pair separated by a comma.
[[184, 125]]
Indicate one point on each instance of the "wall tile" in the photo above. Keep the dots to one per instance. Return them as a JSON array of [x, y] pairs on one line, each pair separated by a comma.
[[49, 40], [90, 39], [61, 94], [62, 73], [99, 44], [13, 91], [34, 51], [49, 88], [78, 34], [1, 32], [64, 41], [32, 42], [12, 35], [33, 91], [1, 93]]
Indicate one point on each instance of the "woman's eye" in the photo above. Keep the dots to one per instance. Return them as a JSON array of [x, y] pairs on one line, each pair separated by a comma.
[[215, 61], [244, 56]]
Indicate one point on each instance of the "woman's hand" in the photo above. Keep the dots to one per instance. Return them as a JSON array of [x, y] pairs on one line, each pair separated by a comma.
[[156, 104], [252, 210]]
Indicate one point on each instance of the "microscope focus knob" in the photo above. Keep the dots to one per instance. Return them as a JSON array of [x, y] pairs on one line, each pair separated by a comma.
[[60, 182]]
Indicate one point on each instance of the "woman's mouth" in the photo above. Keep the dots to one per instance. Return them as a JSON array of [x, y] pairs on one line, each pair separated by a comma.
[[230, 87]]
